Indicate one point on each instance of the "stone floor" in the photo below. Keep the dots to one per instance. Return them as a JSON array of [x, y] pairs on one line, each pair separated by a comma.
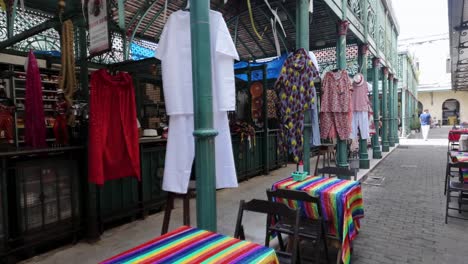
[[404, 213]]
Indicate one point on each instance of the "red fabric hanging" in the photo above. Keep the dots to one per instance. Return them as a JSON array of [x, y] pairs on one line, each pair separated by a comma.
[[34, 121], [113, 150]]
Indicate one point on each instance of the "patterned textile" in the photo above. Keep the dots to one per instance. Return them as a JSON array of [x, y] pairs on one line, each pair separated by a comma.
[[461, 157], [272, 102], [193, 245], [341, 202], [294, 89], [454, 135], [336, 105]]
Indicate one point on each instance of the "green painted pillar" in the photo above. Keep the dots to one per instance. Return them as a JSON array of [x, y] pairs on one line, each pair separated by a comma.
[[342, 148], [385, 143], [364, 162], [302, 41], [403, 112], [203, 115], [376, 151], [398, 112], [391, 112]]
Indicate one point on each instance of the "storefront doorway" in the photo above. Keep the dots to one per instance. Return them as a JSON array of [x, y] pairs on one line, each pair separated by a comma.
[[451, 112]]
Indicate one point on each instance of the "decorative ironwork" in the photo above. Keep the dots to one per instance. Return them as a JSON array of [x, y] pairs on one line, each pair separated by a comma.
[[364, 49], [355, 6], [371, 19], [327, 59], [376, 62], [115, 55], [381, 42]]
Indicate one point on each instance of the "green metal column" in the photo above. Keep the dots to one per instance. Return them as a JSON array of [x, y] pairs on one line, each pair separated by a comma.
[[203, 109], [376, 151], [385, 143], [403, 111], [398, 112], [342, 148], [364, 162], [266, 142], [302, 41], [391, 112], [92, 225]]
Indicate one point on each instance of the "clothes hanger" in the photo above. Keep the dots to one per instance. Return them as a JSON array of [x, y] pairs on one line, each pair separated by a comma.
[[187, 7]]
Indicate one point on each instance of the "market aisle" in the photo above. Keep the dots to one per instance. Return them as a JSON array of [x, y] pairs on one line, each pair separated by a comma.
[[404, 215]]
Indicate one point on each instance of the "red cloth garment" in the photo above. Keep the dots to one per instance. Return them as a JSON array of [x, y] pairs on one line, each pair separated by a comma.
[[61, 130], [113, 150], [34, 120]]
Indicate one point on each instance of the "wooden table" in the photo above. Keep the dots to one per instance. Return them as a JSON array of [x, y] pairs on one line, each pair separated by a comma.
[[192, 245], [341, 202], [460, 157]]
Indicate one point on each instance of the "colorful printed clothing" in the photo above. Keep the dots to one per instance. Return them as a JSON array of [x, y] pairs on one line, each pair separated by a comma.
[[360, 99], [294, 87], [272, 101], [336, 106]]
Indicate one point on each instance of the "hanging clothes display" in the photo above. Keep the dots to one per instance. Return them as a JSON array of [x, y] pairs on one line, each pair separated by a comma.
[[314, 115], [256, 93], [336, 106], [242, 105], [360, 102], [34, 123], [295, 89], [272, 101], [174, 51], [113, 149]]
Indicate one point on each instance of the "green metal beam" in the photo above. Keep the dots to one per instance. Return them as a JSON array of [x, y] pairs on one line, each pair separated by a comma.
[[288, 14], [385, 117], [121, 8], [253, 37], [364, 162], [29, 33], [280, 34], [302, 41], [391, 111], [145, 13], [156, 16], [376, 151], [203, 115]]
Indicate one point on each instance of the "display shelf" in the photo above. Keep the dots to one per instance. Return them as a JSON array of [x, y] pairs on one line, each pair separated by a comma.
[[48, 139], [46, 110], [44, 100], [42, 81], [43, 90]]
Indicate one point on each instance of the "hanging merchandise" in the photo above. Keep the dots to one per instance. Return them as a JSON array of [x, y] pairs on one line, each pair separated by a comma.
[[62, 111], [113, 148], [272, 102], [256, 92], [242, 105], [314, 114], [336, 106], [34, 124], [7, 108], [174, 51], [360, 102], [67, 80], [295, 89]]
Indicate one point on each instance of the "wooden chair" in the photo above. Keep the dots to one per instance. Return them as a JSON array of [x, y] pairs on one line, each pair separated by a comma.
[[327, 151], [312, 230], [335, 171], [462, 190], [289, 217], [191, 192]]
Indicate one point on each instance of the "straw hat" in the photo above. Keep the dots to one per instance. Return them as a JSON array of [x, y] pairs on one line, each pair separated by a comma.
[[358, 79]]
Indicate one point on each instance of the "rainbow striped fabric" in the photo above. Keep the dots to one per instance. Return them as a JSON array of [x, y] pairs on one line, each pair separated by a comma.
[[341, 202], [458, 156], [192, 245]]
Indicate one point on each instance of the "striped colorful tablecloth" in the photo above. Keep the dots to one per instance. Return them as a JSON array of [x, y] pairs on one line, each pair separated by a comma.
[[341, 202], [193, 245], [458, 156]]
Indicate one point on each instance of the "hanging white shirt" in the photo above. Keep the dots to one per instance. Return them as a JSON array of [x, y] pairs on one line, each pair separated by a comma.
[[174, 51]]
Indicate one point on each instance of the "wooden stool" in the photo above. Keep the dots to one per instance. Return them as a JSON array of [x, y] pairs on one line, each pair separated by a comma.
[[326, 151], [170, 205]]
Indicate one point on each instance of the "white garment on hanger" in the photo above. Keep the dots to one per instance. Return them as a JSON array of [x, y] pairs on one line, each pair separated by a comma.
[[174, 51]]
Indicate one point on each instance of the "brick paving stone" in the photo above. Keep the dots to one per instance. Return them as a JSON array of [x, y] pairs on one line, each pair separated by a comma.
[[404, 217]]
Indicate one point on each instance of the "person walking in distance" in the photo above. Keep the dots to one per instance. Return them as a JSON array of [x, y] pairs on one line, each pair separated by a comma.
[[425, 119]]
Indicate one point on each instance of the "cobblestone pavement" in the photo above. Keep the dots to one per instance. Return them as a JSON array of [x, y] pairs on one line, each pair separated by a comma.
[[404, 215]]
